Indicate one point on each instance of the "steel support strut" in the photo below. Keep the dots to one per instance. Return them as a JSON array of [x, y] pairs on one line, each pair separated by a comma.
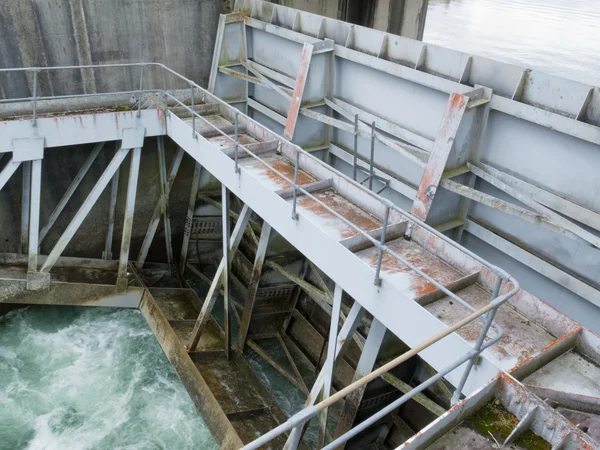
[[25, 199], [70, 191], [34, 215], [365, 366], [153, 226], [457, 104], [330, 362], [211, 296], [292, 118], [253, 286], [227, 266], [134, 170], [114, 192], [343, 340], [189, 219], [84, 210], [164, 192]]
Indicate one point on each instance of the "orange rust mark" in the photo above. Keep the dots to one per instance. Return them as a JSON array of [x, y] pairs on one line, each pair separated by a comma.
[[296, 102], [420, 258], [545, 349], [346, 209]]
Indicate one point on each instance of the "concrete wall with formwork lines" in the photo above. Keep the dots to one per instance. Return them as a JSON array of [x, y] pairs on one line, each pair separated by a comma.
[[178, 33]]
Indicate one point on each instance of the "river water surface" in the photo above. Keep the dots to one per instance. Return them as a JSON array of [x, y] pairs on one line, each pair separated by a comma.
[[561, 37], [90, 378]]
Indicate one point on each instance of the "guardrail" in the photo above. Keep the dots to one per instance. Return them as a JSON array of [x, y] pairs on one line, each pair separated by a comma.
[[297, 422]]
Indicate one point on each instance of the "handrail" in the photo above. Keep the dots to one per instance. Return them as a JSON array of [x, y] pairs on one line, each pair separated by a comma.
[[297, 421]]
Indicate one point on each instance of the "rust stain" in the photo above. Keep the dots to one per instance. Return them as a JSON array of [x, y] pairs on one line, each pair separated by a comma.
[[345, 208], [420, 258], [294, 110]]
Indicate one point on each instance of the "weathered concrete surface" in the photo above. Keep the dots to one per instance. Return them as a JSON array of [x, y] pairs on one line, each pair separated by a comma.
[[199, 391], [178, 33]]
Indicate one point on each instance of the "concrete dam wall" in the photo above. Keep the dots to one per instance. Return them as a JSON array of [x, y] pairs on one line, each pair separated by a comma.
[[177, 33]]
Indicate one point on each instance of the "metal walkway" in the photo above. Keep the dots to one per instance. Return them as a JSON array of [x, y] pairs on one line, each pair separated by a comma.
[[446, 303]]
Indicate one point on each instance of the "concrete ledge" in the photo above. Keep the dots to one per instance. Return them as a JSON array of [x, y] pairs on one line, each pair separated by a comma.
[[69, 294], [206, 403]]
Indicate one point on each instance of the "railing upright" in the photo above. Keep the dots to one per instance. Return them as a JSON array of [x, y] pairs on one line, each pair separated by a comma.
[[478, 345], [382, 245], [35, 76], [139, 113], [296, 172], [237, 142], [372, 159], [355, 155]]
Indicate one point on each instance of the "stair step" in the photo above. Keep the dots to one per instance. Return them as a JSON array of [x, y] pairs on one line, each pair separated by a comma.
[[334, 226], [269, 178], [408, 282], [233, 391], [176, 304], [210, 340], [522, 338], [571, 372]]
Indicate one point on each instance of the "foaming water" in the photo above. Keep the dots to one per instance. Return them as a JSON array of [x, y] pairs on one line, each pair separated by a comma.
[[90, 378], [559, 37]]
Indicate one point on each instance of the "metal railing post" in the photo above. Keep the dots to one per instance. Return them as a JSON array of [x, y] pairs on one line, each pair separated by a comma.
[[164, 76], [237, 143], [296, 170], [35, 72], [355, 157], [193, 114], [381, 245], [371, 163], [139, 113], [478, 345]]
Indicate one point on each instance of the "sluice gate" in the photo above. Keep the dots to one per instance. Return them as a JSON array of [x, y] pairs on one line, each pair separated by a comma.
[[379, 313]]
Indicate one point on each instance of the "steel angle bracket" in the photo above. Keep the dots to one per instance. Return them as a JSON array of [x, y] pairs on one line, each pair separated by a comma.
[[28, 149], [133, 137]]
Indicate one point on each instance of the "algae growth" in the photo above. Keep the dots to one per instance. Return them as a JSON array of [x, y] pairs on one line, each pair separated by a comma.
[[494, 420]]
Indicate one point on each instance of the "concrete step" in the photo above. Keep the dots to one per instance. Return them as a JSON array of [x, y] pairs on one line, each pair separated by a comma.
[[523, 337]]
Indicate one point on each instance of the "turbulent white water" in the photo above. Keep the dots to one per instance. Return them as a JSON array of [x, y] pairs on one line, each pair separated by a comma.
[[90, 378]]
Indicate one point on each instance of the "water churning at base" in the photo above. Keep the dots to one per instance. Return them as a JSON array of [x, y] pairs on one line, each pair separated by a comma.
[[90, 378]]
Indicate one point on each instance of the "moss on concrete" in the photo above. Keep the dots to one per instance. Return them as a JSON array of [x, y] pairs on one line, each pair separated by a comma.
[[495, 421]]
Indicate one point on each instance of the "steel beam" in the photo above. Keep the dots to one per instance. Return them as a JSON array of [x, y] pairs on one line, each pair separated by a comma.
[[506, 207], [84, 210], [566, 207], [165, 191], [71, 189], [296, 104], [34, 215], [134, 170], [189, 219], [10, 168], [365, 366], [226, 220], [211, 296], [343, 340], [329, 365], [25, 202], [112, 206], [527, 200], [253, 285], [440, 152], [152, 227]]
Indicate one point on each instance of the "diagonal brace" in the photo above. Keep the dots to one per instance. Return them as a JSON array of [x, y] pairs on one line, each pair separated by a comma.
[[84, 210], [211, 296]]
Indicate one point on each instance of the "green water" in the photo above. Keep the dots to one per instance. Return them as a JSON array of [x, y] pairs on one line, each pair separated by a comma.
[[90, 378]]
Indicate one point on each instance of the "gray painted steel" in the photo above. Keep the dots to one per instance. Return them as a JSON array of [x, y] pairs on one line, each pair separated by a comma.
[[541, 130]]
